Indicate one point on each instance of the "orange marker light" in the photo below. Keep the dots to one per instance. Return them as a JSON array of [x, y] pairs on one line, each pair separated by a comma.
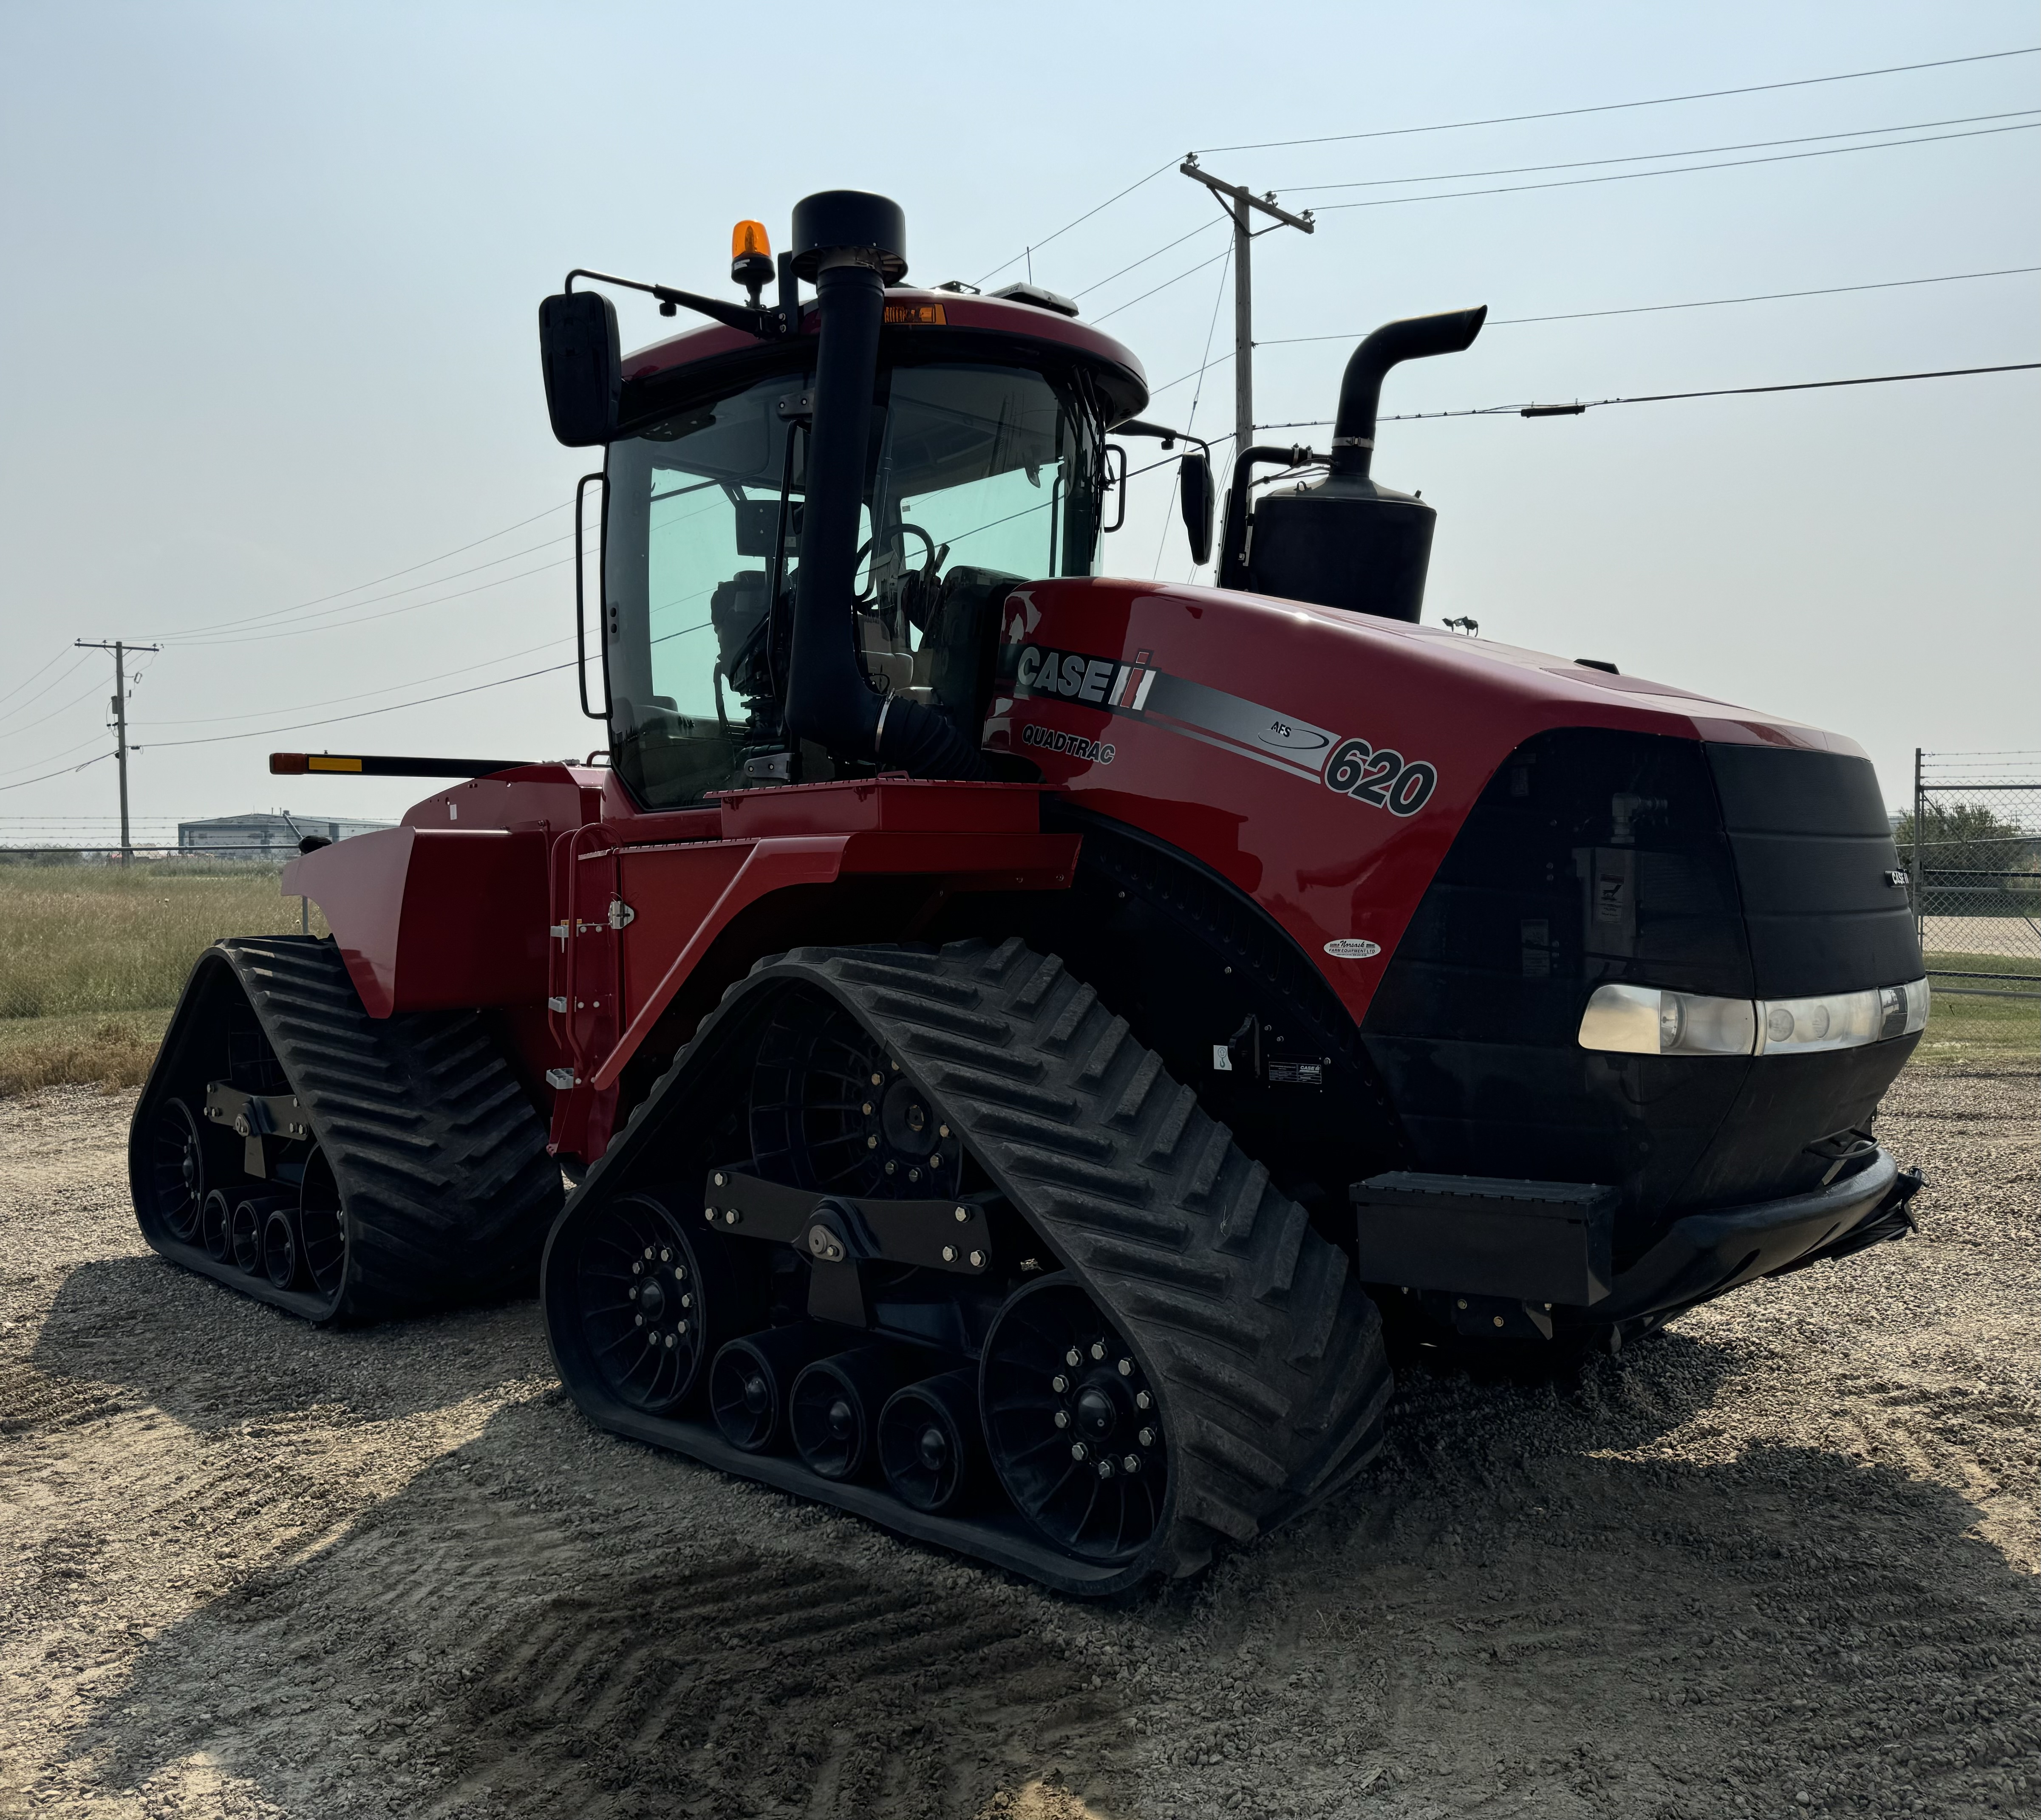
[[748, 236], [916, 315]]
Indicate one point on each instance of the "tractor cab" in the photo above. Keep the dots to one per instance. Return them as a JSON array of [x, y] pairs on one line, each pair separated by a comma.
[[984, 467]]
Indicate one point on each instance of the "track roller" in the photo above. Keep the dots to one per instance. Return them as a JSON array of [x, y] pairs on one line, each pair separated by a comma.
[[750, 1383], [217, 1226], [928, 1445], [833, 1409], [251, 1216], [283, 1256]]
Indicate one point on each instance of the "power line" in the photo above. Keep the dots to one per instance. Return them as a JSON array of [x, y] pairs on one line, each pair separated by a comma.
[[333, 615], [334, 701], [1617, 107], [1166, 283], [1675, 170], [66, 770], [27, 725], [1696, 303], [1203, 228], [1642, 157], [320, 600], [360, 715], [19, 687], [349, 625], [1034, 246], [1575, 409]]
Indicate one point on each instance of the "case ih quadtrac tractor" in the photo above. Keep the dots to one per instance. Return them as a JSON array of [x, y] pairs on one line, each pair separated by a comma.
[[1018, 1034]]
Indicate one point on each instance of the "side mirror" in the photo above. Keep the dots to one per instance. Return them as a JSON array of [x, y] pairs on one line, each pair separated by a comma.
[[583, 367], [1195, 485]]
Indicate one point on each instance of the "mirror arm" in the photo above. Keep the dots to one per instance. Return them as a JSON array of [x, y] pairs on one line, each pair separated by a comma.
[[1134, 427], [767, 325]]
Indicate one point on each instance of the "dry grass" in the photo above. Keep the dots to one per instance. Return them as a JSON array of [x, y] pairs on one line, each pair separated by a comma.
[[92, 958], [79, 939], [94, 1051]]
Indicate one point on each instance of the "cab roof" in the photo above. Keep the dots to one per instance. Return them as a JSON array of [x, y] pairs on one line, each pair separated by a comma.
[[959, 311]]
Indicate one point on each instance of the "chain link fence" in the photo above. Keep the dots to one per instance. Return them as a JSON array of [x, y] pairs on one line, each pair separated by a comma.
[[1972, 842]]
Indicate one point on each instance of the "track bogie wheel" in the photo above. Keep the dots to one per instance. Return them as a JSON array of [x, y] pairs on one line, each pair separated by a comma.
[[283, 1256], [216, 1225], [833, 1410], [250, 1215], [929, 1444], [750, 1382], [654, 1298], [1072, 1426]]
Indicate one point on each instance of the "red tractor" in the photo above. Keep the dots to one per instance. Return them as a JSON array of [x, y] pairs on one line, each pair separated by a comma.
[[1018, 1035]]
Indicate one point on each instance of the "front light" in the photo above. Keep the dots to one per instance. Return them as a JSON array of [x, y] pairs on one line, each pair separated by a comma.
[[1650, 1020], [1647, 1020]]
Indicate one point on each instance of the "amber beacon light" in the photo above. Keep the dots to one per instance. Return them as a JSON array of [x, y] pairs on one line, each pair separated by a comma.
[[750, 257]]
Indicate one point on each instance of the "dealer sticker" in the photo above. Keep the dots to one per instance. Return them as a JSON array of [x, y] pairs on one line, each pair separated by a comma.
[[1352, 948]]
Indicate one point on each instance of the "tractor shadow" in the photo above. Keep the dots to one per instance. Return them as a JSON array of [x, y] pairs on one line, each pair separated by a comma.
[[130, 1332], [548, 1621]]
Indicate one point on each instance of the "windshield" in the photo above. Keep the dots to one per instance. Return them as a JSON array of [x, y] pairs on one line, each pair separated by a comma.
[[978, 477]]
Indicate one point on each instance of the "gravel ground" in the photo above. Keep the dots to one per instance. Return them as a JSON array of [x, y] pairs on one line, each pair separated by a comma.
[[1780, 1560]]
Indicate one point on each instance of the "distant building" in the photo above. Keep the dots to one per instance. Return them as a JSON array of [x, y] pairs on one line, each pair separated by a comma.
[[255, 834]]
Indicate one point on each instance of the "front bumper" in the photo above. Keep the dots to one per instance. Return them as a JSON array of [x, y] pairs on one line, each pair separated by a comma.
[[1705, 1254]]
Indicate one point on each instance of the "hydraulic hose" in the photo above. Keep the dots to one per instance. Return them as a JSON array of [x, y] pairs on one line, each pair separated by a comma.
[[1451, 332], [828, 700]]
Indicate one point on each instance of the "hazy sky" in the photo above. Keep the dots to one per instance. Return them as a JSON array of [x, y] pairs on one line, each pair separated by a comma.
[[268, 334]]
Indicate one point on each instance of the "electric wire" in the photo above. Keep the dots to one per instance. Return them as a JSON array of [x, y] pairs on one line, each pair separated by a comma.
[[1617, 107], [1647, 157], [1653, 308], [1035, 246], [47, 758], [78, 657], [359, 714], [334, 701], [1675, 170], [1211, 328], [1665, 398], [319, 600], [26, 726], [65, 771]]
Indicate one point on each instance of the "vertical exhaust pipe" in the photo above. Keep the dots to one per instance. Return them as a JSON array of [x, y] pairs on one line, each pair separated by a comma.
[[1450, 332], [847, 244]]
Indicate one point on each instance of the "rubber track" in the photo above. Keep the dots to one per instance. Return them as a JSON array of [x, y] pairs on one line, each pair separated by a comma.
[[440, 1159], [1273, 1359]]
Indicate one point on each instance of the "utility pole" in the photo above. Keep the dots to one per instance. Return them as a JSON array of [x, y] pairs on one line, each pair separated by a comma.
[[120, 650], [1242, 208]]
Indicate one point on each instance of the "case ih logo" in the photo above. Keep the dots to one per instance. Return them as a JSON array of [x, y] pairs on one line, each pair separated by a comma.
[[1379, 776], [1105, 682]]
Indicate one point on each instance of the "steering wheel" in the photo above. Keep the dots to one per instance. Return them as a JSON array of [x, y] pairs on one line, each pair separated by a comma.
[[871, 588]]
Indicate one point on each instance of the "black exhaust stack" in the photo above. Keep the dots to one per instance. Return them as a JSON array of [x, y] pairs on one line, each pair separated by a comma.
[[1347, 542], [848, 244]]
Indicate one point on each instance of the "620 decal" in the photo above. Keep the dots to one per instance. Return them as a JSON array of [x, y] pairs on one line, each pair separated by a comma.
[[1383, 778]]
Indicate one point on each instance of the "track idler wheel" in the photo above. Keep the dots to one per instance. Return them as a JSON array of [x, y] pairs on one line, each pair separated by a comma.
[[1072, 1427], [322, 1226], [654, 1299], [750, 1382], [216, 1225], [177, 1170], [833, 1410], [929, 1447]]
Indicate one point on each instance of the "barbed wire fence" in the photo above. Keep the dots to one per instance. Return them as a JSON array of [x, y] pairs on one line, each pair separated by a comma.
[[1972, 843]]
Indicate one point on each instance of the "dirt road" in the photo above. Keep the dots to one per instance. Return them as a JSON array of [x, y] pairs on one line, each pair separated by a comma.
[[1781, 1560]]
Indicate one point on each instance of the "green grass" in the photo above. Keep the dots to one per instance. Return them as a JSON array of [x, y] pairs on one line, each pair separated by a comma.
[[1964, 1027]]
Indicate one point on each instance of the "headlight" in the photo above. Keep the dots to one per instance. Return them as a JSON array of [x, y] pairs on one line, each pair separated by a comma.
[[1649, 1020], [1644, 1020]]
